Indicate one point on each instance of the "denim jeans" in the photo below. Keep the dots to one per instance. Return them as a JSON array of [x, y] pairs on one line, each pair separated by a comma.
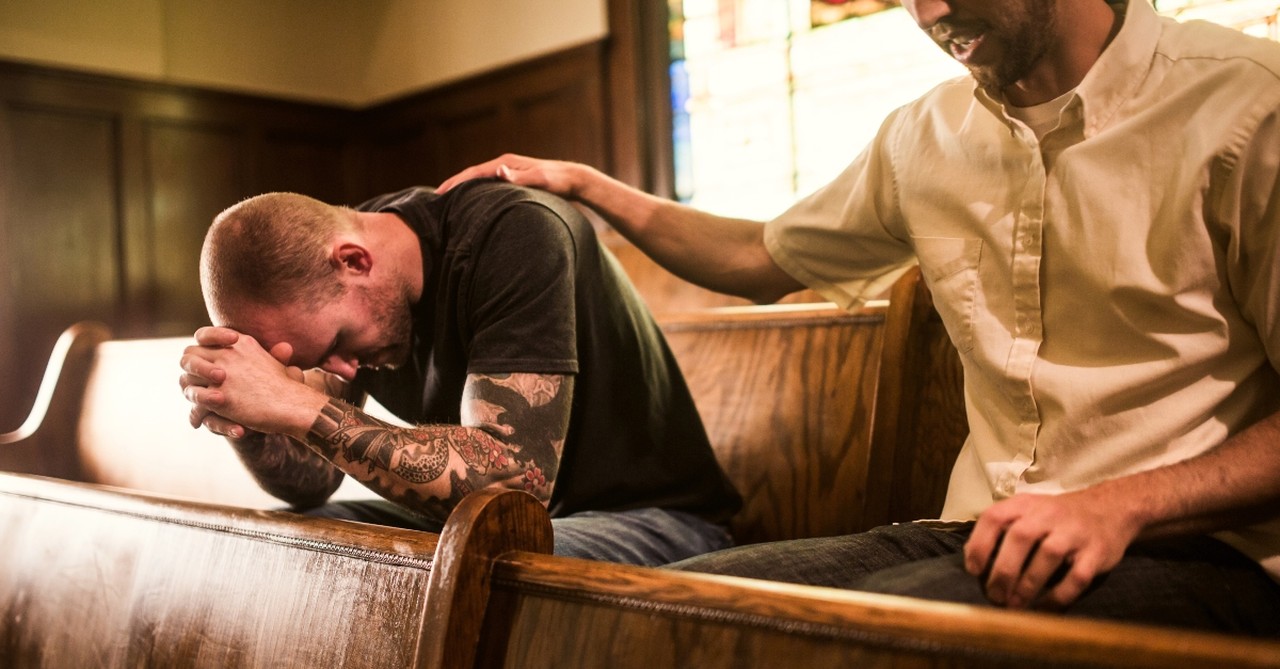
[[1195, 582], [648, 537]]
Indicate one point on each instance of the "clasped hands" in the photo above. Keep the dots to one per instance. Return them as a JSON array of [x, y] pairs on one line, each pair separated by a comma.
[[235, 385]]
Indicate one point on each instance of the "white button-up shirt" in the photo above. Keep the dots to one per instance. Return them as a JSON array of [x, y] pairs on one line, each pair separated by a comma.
[[1112, 288]]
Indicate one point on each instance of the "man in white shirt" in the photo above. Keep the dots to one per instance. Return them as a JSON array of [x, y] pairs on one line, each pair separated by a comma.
[[1097, 212]]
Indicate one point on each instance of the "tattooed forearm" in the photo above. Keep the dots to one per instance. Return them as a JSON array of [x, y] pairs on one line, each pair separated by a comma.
[[287, 469], [342, 432], [512, 434]]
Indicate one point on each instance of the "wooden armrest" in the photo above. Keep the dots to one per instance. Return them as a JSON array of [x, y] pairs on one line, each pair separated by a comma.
[[63, 380], [486, 524]]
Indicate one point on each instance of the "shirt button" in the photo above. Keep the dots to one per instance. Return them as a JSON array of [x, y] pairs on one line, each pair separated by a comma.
[[1005, 485]]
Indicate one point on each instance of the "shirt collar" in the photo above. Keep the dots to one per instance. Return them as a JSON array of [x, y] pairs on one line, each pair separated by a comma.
[[1122, 67]]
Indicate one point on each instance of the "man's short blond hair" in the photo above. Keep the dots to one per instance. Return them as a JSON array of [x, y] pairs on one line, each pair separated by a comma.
[[271, 249]]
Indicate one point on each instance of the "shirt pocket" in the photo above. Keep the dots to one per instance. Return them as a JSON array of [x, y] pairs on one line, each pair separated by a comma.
[[950, 269]]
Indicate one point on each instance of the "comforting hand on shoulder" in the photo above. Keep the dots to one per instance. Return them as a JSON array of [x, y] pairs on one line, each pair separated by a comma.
[[555, 176]]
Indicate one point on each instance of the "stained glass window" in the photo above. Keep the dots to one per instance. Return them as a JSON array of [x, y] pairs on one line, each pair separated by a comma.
[[772, 98]]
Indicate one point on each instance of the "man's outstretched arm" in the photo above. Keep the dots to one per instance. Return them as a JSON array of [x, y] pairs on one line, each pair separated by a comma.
[[723, 254]]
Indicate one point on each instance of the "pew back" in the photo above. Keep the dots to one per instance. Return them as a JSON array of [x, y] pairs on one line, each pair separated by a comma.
[[113, 414], [561, 613], [829, 422], [787, 396], [91, 576]]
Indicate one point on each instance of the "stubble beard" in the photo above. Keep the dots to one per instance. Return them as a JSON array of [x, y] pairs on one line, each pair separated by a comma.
[[393, 320], [1025, 45]]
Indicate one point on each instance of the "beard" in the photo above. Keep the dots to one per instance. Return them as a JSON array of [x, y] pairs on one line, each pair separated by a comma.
[[392, 316], [1025, 35]]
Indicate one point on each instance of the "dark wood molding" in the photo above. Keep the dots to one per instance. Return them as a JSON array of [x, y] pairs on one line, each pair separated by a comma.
[[639, 94], [549, 106]]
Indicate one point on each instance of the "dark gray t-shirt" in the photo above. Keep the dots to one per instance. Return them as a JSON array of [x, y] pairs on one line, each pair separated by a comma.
[[517, 281]]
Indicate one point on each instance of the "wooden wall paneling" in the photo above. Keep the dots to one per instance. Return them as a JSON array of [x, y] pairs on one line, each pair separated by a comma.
[[638, 95], [135, 312], [560, 111], [308, 164], [472, 136], [565, 121], [194, 172], [394, 158], [108, 186], [11, 411], [551, 106], [61, 235]]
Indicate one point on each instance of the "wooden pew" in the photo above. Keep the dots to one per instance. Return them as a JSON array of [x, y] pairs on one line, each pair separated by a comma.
[[828, 422], [787, 395], [919, 422], [504, 602], [541, 610], [97, 577], [141, 580]]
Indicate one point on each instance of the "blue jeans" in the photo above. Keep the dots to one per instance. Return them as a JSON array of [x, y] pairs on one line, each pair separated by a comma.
[[648, 537], [1195, 582]]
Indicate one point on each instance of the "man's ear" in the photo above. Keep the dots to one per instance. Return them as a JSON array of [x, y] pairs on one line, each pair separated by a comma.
[[351, 257]]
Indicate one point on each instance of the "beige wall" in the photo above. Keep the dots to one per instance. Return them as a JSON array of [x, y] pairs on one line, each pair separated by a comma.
[[344, 52]]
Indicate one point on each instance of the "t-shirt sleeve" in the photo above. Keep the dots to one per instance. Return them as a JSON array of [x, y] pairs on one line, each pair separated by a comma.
[[519, 302]]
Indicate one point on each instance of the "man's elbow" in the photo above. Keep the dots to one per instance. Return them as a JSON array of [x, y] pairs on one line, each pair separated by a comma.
[[532, 481]]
